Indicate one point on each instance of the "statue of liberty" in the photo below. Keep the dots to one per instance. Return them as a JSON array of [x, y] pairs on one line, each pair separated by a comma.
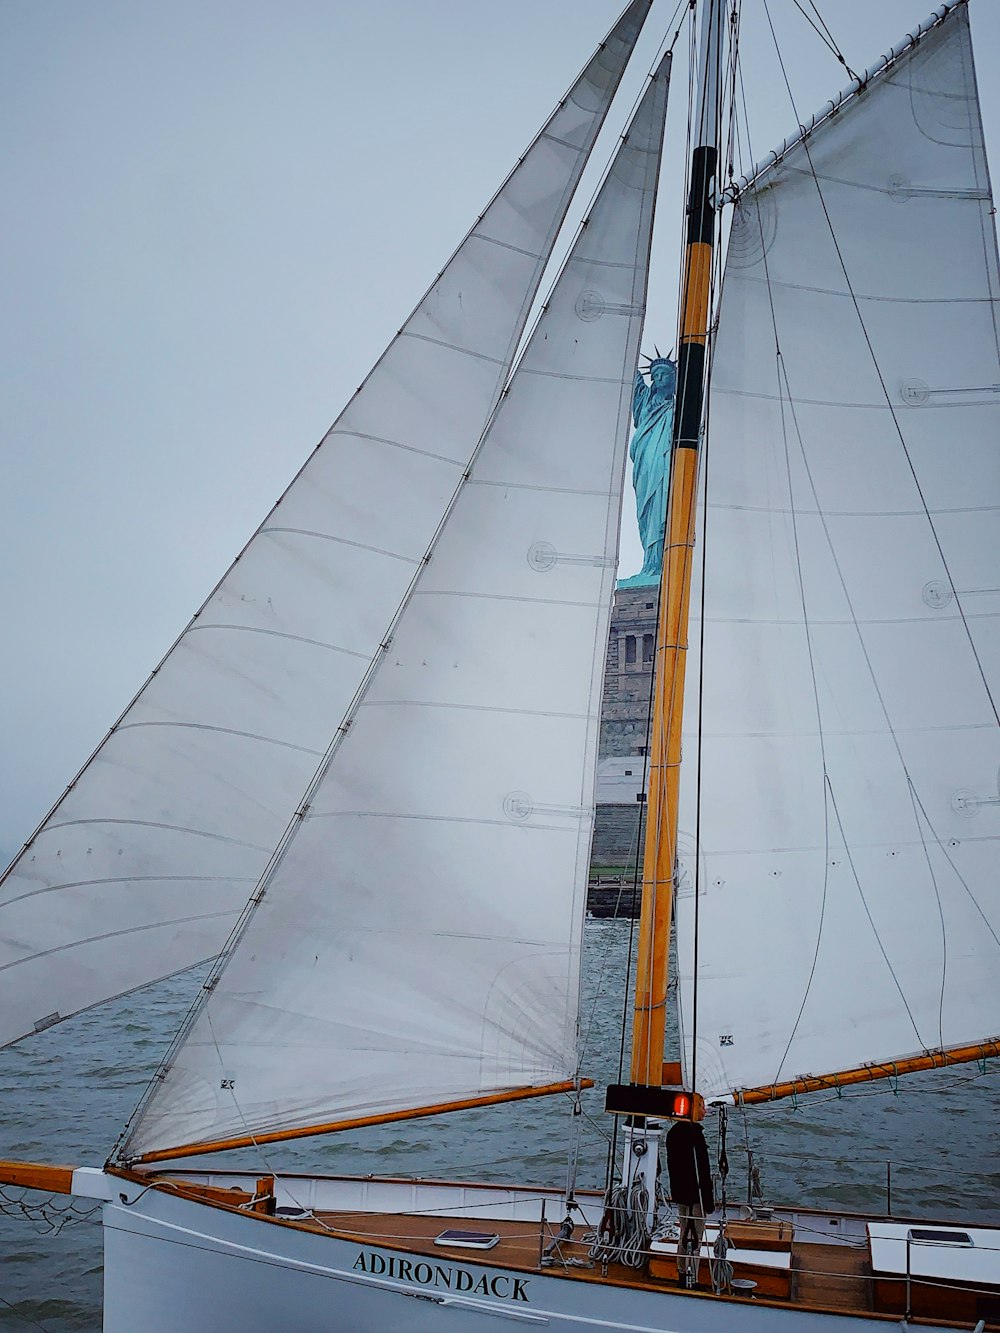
[[653, 416]]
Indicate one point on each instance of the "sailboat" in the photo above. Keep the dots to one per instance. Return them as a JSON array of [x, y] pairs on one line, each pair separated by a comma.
[[341, 783]]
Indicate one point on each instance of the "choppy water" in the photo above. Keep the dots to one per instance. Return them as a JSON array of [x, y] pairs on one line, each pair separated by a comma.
[[65, 1094]]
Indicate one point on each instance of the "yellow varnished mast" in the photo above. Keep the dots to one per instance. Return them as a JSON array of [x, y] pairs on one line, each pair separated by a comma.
[[660, 851]]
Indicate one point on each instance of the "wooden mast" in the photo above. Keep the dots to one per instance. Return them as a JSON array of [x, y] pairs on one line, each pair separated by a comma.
[[675, 588]]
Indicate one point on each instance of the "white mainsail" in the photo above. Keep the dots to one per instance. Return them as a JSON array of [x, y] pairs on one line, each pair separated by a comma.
[[143, 866], [418, 941], [849, 818]]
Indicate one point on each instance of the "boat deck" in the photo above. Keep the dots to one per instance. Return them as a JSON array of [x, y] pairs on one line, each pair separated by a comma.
[[836, 1277], [830, 1271], [833, 1277]]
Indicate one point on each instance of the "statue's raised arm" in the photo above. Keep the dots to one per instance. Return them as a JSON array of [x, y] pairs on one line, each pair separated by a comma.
[[653, 415]]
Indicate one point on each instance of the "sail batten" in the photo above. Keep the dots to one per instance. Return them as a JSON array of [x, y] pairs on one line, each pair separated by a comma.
[[283, 643], [430, 900], [841, 711]]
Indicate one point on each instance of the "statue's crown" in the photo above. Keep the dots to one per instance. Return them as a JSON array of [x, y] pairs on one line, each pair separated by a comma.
[[657, 360]]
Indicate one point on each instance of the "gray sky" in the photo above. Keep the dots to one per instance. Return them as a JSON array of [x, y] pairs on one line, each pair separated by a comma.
[[218, 212]]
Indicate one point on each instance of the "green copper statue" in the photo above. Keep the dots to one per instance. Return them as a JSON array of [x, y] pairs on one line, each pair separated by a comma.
[[653, 415]]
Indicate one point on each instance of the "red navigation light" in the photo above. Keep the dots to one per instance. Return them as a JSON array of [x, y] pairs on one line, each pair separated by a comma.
[[682, 1106]]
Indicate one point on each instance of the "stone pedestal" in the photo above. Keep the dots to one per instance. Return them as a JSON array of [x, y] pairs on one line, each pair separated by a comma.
[[628, 673], [627, 682]]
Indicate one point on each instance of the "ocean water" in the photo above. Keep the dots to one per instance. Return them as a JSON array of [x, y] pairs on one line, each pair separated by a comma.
[[65, 1094]]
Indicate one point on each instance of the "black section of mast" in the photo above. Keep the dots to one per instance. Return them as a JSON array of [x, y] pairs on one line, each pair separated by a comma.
[[692, 351]]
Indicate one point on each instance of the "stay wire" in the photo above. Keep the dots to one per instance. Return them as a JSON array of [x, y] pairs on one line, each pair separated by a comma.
[[824, 33], [27, 1318], [779, 367], [724, 134], [657, 831], [688, 6], [881, 379]]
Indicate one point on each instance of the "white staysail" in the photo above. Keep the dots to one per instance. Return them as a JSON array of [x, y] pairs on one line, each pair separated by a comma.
[[418, 941], [848, 899], [143, 866]]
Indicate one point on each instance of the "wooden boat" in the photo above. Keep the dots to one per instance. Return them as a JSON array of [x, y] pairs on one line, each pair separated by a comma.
[[411, 943]]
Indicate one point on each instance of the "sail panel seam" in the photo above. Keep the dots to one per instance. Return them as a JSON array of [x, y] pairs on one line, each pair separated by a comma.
[[786, 285], [892, 408], [902, 192], [526, 825], [506, 245], [453, 347], [130, 879], [565, 143], [563, 375], [149, 823], [860, 731], [395, 444], [505, 597], [115, 934], [224, 731], [857, 513], [283, 634], [343, 541], [534, 486], [930, 619], [808, 849], [474, 708]]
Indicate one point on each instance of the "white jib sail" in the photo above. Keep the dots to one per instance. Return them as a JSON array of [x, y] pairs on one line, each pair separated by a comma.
[[419, 938], [848, 896], [145, 863]]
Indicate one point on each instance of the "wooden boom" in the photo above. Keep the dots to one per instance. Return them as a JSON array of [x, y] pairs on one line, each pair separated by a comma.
[[913, 1064]]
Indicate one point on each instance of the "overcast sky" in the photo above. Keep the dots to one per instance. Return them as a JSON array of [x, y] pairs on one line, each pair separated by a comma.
[[217, 214]]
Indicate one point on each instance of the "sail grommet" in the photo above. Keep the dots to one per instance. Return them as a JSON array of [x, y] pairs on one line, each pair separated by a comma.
[[966, 804], [914, 393], [899, 188], [937, 594], [542, 556], [590, 305], [518, 805]]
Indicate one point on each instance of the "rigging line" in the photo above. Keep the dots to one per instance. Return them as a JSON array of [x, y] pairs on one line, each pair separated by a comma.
[[958, 874], [824, 33], [657, 832], [871, 922], [835, 44], [715, 290], [864, 648], [988, 232], [27, 1318], [703, 463], [937, 894], [875, 684], [643, 244], [779, 369], [882, 383], [642, 824], [692, 68]]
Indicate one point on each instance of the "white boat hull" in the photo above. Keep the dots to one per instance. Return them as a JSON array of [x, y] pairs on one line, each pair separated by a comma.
[[177, 1265]]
